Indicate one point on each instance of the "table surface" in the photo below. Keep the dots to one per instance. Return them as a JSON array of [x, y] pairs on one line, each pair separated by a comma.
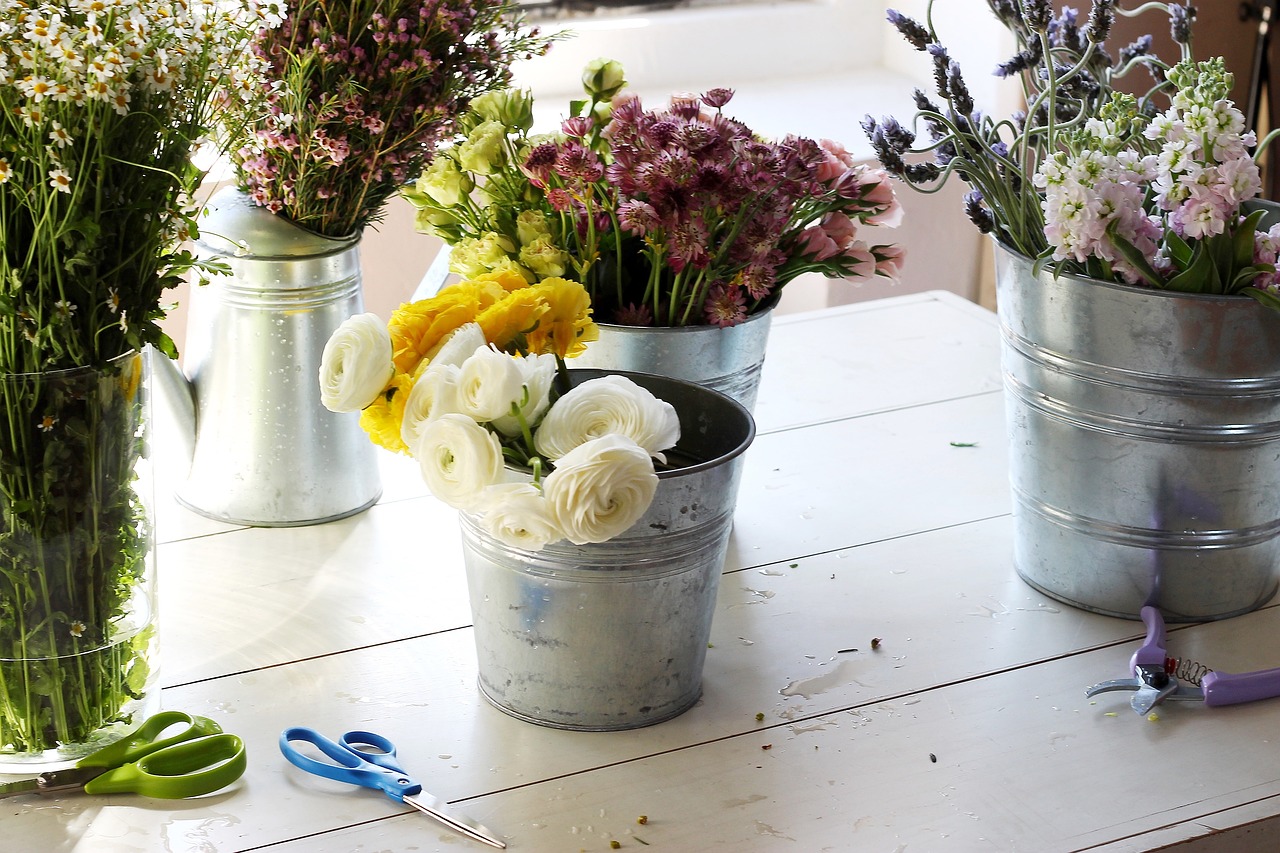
[[874, 504]]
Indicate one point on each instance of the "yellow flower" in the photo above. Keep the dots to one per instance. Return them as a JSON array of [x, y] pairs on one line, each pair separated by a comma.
[[381, 419], [566, 327], [506, 323], [418, 328]]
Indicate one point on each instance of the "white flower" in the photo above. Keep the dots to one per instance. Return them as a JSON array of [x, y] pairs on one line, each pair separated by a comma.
[[518, 515], [434, 393], [539, 372], [458, 459], [489, 383], [60, 180], [356, 364], [610, 404], [460, 344], [600, 488]]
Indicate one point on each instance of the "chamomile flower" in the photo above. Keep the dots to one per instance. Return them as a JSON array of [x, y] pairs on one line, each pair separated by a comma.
[[60, 180], [58, 135], [6, 171]]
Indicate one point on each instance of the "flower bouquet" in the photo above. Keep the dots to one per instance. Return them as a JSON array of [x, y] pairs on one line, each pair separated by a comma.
[[355, 95], [471, 383], [1127, 245], [593, 542], [670, 217], [101, 106], [1089, 179]]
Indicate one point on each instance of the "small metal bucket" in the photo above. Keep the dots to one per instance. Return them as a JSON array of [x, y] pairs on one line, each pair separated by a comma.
[[265, 450], [1144, 432], [613, 635], [725, 359]]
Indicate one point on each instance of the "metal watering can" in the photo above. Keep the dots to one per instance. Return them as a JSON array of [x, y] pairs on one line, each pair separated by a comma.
[[264, 451]]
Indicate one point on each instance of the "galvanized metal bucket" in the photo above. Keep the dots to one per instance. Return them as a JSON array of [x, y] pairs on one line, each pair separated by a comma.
[[726, 359], [265, 450], [613, 635], [1144, 432]]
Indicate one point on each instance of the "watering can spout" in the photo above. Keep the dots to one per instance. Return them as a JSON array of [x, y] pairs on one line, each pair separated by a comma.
[[174, 410]]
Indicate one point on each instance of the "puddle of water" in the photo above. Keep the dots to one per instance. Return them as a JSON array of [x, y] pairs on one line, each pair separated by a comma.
[[810, 687]]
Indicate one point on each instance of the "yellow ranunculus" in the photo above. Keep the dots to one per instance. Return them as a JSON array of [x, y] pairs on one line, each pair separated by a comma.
[[381, 419], [418, 328], [506, 323], [566, 327]]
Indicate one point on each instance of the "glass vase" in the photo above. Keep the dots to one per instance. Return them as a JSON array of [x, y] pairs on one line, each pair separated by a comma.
[[78, 651]]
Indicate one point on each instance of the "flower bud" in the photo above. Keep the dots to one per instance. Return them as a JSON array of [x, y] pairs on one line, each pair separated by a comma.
[[603, 78], [512, 108]]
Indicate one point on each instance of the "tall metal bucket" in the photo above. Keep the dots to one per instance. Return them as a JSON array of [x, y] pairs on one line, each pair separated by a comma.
[[265, 450], [1144, 431], [614, 635], [725, 359]]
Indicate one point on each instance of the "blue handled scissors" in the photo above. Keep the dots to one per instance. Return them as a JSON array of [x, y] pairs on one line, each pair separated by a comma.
[[369, 760], [197, 759]]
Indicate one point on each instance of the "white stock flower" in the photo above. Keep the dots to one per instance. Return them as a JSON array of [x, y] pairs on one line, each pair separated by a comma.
[[458, 459], [489, 382], [610, 404], [434, 393], [356, 364], [539, 372], [600, 488], [517, 514]]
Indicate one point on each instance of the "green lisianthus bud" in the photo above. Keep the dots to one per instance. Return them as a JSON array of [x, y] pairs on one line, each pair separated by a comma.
[[530, 225], [603, 78], [430, 221], [512, 108], [544, 258], [444, 182], [482, 151]]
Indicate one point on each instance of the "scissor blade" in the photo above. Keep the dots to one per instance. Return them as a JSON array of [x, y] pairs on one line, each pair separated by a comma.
[[439, 810], [1109, 686]]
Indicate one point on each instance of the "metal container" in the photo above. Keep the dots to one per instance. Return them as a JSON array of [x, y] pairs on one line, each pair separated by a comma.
[[265, 450], [613, 635], [1144, 430], [725, 359]]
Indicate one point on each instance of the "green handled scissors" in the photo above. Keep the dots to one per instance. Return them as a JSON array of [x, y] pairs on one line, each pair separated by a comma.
[[198, 759]]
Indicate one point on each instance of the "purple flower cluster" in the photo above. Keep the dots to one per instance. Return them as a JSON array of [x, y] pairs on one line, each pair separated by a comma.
[[358, 94], [720, 217]]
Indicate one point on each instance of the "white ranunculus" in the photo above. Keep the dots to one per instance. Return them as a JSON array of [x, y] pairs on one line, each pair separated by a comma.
[[610, 404], [518, 515], [539, 372], [458, 458], [356, 364], [600, 488], [458, 346], [433, 394], [489, 382]]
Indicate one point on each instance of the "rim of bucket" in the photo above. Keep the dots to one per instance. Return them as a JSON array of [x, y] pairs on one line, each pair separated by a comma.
[[1134, 290], [653, 383]]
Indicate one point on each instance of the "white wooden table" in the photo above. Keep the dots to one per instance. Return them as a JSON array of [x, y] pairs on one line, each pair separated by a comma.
[[859, 518]]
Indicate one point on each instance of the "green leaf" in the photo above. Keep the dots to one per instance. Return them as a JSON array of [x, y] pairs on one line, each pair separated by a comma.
[[1135, 258], [1266, 297], [1244, 239], [1201, 276], [1179, 250], [576, 107]]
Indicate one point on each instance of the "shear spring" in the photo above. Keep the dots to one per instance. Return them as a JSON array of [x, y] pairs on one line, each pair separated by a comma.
[[1189, 671]]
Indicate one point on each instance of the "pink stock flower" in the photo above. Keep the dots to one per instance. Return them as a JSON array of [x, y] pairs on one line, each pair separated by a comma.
[[889, 262]]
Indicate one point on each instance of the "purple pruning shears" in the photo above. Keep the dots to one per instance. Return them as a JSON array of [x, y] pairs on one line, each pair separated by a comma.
[[1155, 677]]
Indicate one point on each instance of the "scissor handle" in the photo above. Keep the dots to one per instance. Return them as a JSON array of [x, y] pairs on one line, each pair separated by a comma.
[[1152, 650], [383, 753], [1225, 688], [142, 741], [369, 770], [185, 769]]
